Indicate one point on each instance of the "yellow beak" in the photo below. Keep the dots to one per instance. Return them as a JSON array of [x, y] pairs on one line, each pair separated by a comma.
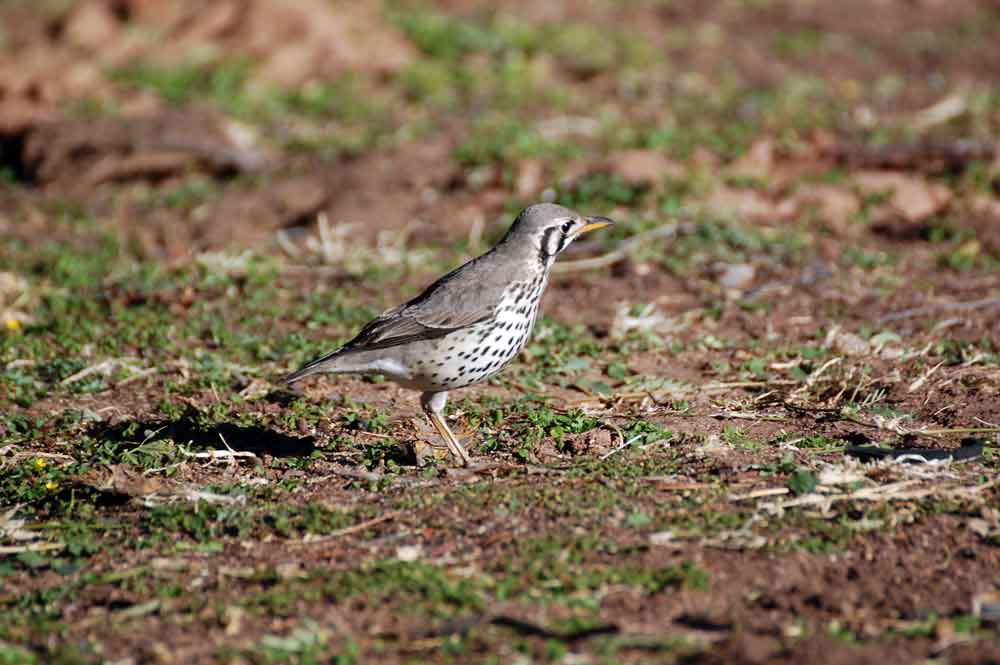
[[593, 223]]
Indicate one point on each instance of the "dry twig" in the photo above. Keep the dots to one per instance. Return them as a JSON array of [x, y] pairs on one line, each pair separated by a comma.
[[983, 303], [311, 539], [617, 254], [31, 547], [926, 156]]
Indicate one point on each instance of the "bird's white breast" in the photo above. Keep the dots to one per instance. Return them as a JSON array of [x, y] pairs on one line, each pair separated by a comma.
[[478, 352]]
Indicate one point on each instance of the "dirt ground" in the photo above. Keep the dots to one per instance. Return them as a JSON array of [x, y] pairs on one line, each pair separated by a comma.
[[195, 198]]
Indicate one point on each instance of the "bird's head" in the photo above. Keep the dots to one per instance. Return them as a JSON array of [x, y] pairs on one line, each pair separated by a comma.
[[548, 229]]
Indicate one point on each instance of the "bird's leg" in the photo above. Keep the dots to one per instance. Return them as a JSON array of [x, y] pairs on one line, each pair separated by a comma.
[[433, 404]]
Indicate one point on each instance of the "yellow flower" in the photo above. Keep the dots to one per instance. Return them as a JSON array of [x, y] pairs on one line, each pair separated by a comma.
[[40, 463], [52, 486], [12, 324]]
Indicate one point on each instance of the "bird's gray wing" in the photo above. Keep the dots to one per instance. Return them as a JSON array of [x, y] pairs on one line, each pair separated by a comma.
[[457, 300], [468, 295], [400, 326]]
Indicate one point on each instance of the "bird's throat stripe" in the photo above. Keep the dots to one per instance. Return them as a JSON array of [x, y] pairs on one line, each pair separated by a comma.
[[543, 252], [551, 245]]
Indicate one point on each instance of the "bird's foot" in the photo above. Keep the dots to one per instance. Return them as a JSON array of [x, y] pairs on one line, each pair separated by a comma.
[[429, 447]]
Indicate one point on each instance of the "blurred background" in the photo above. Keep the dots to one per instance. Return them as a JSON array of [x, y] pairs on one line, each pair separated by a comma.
[[188, 126]]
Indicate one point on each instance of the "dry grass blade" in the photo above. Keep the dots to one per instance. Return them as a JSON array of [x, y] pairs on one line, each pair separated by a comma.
[[13, 529], [617, 254], [311, 539], [228, 455], [193, 495], [106, 368], [758, 494], [31, 547], [622, 446]]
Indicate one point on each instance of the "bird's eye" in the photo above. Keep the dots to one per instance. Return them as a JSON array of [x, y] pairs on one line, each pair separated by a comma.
[[566, 227]]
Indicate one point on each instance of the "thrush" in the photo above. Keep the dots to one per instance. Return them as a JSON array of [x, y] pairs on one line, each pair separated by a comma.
[[468, 325]]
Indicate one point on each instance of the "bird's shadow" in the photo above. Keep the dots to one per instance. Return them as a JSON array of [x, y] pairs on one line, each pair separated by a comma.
[[187, 429]]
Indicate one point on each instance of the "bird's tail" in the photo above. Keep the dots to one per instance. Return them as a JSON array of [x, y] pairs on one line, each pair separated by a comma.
[[327, 363]]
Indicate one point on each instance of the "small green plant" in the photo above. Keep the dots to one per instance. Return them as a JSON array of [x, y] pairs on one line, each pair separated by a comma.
[[11, 654], [501, 140], [201, 521], [644, 432], [739, 437], [598, 192], [802, 482], [222, 82], [297, 521], [366, 419]]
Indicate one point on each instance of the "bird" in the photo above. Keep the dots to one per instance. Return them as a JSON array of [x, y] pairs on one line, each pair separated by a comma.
[[468, 325]]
